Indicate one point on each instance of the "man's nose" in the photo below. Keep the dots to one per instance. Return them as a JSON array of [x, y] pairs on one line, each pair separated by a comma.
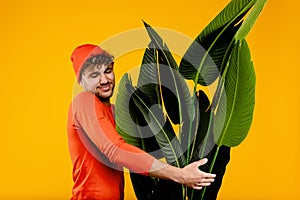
[[103, 79]]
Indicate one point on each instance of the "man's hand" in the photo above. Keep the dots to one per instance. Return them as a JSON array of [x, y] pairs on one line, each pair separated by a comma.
[[192, 176]]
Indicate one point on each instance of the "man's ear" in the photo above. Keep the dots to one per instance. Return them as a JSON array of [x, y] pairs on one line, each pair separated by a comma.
[[81, 83]]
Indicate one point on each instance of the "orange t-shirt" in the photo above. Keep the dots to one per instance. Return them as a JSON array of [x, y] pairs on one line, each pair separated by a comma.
[[98, 152]]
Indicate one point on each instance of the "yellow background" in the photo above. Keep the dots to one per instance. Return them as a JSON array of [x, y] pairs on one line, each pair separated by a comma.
[[37, 82]]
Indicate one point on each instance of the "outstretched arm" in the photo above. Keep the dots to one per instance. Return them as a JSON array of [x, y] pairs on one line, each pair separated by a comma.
[[97, 127], [190, 175]]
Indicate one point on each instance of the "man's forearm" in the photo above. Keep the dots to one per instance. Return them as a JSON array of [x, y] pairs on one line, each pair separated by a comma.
[[163, 170], [190, 175]]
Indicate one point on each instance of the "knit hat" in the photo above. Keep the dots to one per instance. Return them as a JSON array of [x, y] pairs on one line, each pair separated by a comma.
[[81, 54]]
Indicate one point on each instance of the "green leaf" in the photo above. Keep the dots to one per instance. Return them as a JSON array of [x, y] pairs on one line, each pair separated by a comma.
[[131, 124], [235, 109], [126, 128], [149, 75], [160, 126], [250, 20], [201, 143], [161, 46], [204, 59], [160, 66]]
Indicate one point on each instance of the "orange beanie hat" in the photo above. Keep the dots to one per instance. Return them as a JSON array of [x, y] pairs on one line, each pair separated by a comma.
[[81, 54]]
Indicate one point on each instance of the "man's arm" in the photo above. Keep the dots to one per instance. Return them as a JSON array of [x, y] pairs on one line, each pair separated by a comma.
[[103, 135], [190, 175], [95, 123]]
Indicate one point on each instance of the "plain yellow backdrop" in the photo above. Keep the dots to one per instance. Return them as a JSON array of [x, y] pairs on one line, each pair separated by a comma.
[[37, 83]]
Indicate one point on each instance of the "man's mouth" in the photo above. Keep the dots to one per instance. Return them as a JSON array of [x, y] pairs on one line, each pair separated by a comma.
[[104, 87]]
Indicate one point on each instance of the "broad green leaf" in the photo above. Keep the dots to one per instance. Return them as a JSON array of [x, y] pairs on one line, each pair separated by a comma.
[[173, 92], [250, 20], [232, 12], [235, 109], [204, 59], [189, 133], [199, 127], [160, 126], [149, 75], [130, 122], [235, 104], [176, 96], [161, 46], [125, 125], [241, 34], [201, 144]]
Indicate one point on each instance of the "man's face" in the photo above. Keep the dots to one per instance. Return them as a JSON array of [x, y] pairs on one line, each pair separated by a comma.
[[99, 80]]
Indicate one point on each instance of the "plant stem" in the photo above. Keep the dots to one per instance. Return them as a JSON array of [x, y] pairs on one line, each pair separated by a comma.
[[207, 133], [189, 151]]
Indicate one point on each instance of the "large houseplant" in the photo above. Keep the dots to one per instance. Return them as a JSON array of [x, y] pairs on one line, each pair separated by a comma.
[[147, 113]]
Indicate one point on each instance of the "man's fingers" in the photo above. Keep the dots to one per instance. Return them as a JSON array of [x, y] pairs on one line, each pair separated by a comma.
[[209, 180], [208, 175], [197, 187], [206, 181], [205, 174], [202, 162], [199, 179], [205, 184]]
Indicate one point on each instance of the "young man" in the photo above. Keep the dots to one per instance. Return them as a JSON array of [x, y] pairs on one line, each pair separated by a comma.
[[98, 153]]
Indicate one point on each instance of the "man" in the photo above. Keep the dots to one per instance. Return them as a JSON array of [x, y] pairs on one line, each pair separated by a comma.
[[98, 153]]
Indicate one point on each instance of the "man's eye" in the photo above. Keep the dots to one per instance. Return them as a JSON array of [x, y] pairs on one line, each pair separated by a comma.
[[108, 71], [94, 75]]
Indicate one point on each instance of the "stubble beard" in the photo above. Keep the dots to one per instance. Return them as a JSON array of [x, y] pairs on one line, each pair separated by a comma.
[[104, 98]]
